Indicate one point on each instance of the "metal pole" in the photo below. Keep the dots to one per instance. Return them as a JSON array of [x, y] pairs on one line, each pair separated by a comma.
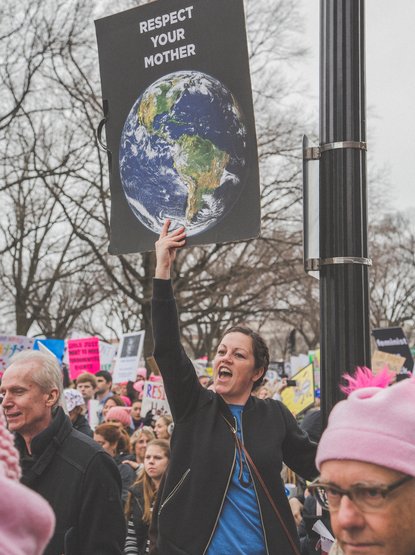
[[344, 299]]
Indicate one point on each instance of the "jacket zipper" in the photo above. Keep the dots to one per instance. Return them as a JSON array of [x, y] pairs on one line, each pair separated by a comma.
[[223, 498], [174, 490], [256, 493]]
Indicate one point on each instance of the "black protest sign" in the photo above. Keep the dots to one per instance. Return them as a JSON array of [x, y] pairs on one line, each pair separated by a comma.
[[393, 340], [179, 123]]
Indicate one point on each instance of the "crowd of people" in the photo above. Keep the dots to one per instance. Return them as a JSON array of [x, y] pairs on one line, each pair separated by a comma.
[[208, 478]]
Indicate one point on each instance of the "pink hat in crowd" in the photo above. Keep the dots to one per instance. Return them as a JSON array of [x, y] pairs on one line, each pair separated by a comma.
[[139, 386], [373, 425], [127, 400], [26, 520], [142, 372], [155, 378], [122, 414]]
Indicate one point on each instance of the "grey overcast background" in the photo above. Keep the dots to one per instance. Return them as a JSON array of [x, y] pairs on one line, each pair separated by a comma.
[[390, 89]]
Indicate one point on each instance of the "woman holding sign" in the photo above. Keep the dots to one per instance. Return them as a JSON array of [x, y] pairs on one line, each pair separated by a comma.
[[223, 493]]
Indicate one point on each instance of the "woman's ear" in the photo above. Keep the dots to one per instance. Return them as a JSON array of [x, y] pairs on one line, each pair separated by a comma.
[[258, 374]]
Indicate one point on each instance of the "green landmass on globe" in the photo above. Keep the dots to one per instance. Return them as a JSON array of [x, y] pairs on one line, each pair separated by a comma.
[[197, 160]]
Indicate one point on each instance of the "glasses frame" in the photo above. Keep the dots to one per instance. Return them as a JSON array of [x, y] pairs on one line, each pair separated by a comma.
[[350, 493]]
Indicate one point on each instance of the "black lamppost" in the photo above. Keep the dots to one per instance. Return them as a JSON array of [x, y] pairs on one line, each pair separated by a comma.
[[343, 257]]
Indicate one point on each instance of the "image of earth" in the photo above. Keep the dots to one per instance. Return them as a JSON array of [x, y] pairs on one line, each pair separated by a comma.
[[183, 152]]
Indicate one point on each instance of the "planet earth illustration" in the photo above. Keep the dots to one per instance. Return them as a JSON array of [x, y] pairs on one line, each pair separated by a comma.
[[183, 152]]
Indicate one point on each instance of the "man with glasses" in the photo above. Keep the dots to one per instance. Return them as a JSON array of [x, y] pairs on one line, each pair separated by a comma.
[[366, 459]]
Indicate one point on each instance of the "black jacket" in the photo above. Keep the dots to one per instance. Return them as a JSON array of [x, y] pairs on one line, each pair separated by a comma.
[[203, 448], [137, 512], [82, 484], [82, 425]]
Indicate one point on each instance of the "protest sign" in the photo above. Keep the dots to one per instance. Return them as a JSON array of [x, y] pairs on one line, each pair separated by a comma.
[[10, 345], [107, 354], [83, 356], [94, 408], [381, 359], [277, 366], [301, 397], [298, 362], [154, 399], [200, 365], [128, 357], [54, 346], [179, 123], [393, 340], [272, 377], [315, 359]]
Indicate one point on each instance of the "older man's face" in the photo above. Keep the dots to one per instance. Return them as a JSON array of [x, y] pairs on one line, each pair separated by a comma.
[[28, 409], [388, 530]]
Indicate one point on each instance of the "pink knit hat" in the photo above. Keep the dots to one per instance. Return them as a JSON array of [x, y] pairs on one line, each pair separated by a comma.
[[26, 519], [122, 414], [373, 425]]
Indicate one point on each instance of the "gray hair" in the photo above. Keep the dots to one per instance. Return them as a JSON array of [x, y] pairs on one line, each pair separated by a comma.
[[47, 376]]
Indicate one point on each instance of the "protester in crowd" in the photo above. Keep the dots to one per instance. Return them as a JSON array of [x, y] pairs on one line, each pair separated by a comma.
[[141, 498], [75, 406], [131, 392], [141, 374], [366, 457], [136, 419], [263, 392], [116, 443], [86, 384], [214, 499], [114, 401], [121, 417], [63, 465], [104, 386], [139, 441], [311, 512], [163, 427], [204, 380], [126, 400], [26, 519]]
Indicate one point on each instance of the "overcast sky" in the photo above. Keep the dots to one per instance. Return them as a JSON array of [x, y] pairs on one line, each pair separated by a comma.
[[390, 88]]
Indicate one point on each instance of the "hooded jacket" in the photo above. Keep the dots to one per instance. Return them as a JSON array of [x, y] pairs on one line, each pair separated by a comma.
[[82, 484], [203, 448]]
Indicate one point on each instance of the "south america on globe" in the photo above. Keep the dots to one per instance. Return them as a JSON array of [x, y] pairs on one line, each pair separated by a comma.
[[183, 152]]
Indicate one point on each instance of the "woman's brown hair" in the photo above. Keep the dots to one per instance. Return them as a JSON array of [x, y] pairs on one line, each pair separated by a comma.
[[114, 435]]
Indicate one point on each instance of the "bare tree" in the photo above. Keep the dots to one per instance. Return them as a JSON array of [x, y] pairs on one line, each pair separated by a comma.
[[392, 277]]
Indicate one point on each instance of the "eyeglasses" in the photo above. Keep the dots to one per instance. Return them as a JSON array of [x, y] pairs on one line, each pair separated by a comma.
[[366, 498]]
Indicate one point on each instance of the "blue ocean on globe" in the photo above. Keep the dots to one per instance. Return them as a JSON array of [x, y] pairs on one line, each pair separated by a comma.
[[183, 152]]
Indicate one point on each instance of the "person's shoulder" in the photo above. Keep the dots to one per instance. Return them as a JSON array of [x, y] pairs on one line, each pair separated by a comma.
[[264, 404], [79, 449]]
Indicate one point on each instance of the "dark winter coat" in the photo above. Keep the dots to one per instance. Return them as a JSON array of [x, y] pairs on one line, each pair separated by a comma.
[[203, 448], [82, 425], [82, 484], [136, 515]]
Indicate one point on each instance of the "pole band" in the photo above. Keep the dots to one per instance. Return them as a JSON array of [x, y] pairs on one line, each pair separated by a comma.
[[314, 152], [314, 264]]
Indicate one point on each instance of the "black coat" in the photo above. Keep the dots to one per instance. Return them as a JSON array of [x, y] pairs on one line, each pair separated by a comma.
[[203, 448], [82, 484], [82, 425], [136, 516]]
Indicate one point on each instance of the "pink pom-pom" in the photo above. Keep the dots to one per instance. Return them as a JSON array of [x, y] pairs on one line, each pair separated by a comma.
[[364, 377]]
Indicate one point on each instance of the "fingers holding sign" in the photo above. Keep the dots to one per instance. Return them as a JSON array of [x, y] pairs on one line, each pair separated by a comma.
[[166, 248]]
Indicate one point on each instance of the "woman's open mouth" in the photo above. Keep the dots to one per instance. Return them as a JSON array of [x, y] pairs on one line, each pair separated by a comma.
[[224, 374]]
